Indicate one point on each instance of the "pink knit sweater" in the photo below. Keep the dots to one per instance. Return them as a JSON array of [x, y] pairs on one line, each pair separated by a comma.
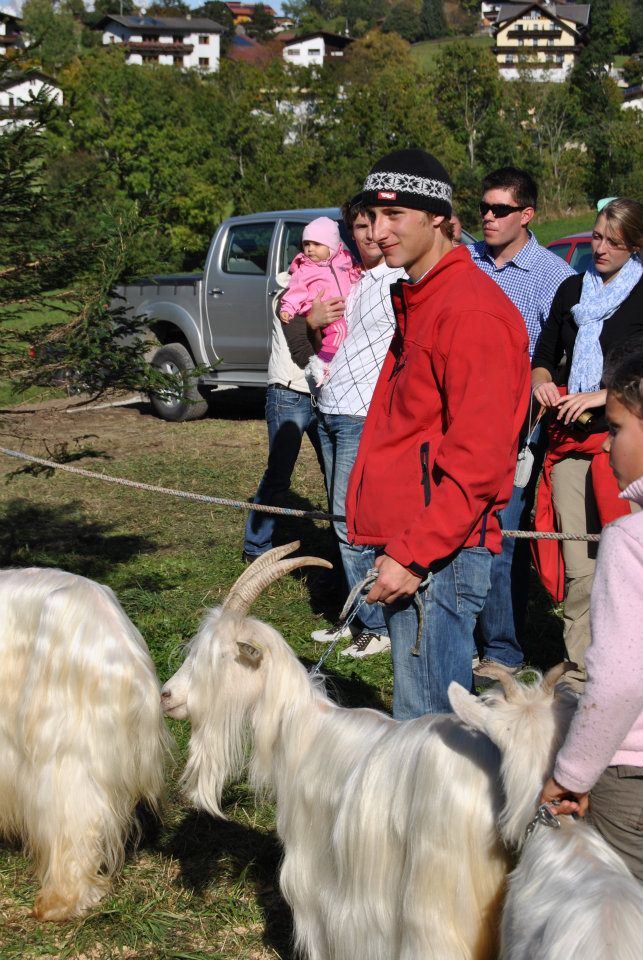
[[608, 726]]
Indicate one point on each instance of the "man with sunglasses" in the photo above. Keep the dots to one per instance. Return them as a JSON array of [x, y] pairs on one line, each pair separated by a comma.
[[530, 276]]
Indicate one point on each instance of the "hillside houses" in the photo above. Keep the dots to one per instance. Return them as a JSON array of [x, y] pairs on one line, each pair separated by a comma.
[[542, 37], [174, 41], [314, 49], [10, 32]]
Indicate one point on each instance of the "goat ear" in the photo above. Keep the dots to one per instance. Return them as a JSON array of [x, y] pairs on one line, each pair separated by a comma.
[[251, 653], [467, 707]]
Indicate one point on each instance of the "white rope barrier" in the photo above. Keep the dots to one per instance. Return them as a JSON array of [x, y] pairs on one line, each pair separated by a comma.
[[247, 505]]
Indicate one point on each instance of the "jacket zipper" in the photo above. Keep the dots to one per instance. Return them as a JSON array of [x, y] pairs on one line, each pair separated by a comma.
[[332, 270], [424, 466], [400, 363]]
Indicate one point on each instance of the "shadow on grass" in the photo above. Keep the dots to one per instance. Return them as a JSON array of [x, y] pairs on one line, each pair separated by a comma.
[[542, 638], [208, 848], [63, 536]]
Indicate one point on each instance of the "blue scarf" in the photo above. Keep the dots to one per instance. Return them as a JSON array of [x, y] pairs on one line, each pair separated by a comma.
[[598, 301]]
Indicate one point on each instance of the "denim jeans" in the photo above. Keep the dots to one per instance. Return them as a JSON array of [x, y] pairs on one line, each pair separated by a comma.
[[339, 436], [502, 618], [452, 600], [289, 415]]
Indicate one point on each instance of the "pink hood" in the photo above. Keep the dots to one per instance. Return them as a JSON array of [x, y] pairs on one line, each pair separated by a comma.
[[332, 278]]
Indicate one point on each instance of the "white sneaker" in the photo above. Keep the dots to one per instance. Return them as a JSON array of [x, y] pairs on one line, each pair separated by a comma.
[[367, 644], [325, 636]]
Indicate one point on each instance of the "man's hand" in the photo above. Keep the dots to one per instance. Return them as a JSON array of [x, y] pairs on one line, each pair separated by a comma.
[[323, 313], [573, 802], [547, 394], [393, 582]]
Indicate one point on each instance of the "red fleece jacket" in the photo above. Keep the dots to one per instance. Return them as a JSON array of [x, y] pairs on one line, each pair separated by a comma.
[[438, 450]]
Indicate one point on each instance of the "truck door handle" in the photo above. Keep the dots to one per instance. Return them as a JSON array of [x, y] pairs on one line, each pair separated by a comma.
[[215, 292], [273, 293]]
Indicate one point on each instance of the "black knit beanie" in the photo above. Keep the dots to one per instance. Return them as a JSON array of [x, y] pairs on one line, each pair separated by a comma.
[[409, 178]]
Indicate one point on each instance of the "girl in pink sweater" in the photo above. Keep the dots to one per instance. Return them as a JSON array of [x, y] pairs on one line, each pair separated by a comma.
[[325, 268], [600, 765]]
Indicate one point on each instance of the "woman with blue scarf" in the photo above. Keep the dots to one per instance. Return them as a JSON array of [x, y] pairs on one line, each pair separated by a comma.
[[591, 315]]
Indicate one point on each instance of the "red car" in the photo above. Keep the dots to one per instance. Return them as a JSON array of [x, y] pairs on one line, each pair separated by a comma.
[[575, 249]]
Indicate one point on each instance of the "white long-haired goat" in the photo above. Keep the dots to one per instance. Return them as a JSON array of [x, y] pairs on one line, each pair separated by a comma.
[[82, 737], [570, 897], [391, 849]]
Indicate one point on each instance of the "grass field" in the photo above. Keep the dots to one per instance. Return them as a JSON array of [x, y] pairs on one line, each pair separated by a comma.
[[200, 888], [554, 229], [426, 51]]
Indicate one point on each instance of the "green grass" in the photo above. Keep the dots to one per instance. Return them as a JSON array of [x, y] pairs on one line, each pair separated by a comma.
[[555, 229], [22, 319], [426, 52]]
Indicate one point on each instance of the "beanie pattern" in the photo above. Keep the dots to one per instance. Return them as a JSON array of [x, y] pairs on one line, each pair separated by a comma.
[[411, 178], [390, 181]]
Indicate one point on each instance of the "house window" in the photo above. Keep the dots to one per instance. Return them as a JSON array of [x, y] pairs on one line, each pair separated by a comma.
[[509, 58], [177, 61], [293, 51], [204, 39], [314, 51], [204, 61]]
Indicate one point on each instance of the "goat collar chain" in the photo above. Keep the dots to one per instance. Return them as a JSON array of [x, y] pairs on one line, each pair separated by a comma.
[[545, 817], [347, 616]]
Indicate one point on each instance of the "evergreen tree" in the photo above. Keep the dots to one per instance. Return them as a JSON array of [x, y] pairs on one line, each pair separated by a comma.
[[262, 25], [433, 21], [404, 19]]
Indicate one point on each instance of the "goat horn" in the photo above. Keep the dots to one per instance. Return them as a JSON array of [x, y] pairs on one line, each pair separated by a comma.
[[553, 675], [497, 672], [244, 596], [264, 560]]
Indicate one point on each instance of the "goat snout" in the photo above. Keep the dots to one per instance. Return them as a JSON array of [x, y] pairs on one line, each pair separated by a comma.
[[172, 705]]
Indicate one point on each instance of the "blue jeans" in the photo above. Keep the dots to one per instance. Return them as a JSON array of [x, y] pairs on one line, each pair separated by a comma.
[[339, 436], [502, 618], [289, 415], [452, 600]]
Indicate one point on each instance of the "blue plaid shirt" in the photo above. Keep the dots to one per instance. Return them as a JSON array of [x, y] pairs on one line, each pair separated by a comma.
[[530, 280]]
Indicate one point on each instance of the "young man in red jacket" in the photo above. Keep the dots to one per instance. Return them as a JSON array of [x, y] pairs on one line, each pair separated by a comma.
[[438, 450]]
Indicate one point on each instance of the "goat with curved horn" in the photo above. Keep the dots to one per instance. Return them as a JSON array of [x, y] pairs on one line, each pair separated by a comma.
[[554, 674], [246, 590], [495, 671], [262, 561]]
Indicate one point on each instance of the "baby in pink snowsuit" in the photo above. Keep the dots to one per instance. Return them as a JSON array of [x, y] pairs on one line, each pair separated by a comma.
[[325, 268]]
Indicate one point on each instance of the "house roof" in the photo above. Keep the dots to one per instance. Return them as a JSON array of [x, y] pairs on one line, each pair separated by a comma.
[[248, 50], [149, 24], [13, 79], [576, 12], [332, 39], [247, 9]]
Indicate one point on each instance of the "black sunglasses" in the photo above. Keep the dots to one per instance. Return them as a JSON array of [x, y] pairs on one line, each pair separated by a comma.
[[499, 210]]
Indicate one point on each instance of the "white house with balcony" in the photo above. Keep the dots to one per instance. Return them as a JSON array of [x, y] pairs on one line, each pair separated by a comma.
[[10, 32], [543, 38], [174, 41], [314, 49], [18, 92]]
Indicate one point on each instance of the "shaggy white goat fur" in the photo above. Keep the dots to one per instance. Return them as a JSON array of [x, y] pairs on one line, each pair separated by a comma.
[[82, 736], [571, 897], [391, 847]]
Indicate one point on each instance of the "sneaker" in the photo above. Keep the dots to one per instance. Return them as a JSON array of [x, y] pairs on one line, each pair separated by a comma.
[[479, 670], [366, 644], [325, 636]]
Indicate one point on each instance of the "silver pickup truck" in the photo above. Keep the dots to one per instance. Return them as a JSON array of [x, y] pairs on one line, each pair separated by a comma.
[[221, 319]]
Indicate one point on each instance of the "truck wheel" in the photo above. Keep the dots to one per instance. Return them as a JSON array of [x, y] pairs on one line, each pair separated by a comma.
[[183, 404]]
